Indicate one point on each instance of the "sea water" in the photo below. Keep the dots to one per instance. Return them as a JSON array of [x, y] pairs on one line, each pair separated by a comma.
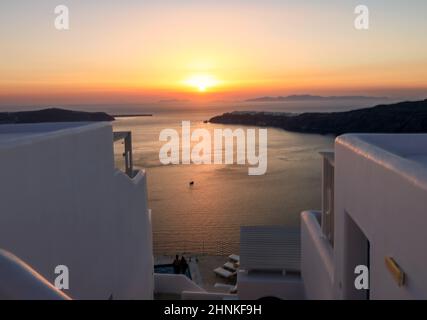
[[206, 217]]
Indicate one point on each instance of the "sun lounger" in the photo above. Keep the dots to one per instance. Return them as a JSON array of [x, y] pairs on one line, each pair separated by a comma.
[[234, 257], [224, 273], [230, 266]]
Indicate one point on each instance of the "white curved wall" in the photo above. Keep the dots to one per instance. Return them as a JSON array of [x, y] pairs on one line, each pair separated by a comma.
[[64, 203], [317, 267], [19, 281]]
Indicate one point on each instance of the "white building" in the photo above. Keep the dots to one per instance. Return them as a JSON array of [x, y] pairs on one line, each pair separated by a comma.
[[374, 201], [63, 202]]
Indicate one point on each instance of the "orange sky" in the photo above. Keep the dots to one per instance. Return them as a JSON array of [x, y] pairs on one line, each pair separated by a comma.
[[142, 51]]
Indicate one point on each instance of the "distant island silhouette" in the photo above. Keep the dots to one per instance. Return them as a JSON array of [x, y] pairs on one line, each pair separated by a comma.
[[309, 97], [403, 117], [52, 115]]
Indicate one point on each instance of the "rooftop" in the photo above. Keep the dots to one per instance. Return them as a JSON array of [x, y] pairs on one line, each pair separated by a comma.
[[404, 154], [18, 133]]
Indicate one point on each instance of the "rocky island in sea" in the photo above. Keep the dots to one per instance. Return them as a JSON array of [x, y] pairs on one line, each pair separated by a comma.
[[403, 117], [52, 115]]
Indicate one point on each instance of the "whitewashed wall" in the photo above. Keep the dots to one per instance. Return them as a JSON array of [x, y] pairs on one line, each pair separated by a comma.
[[64, 203], [384, 192], [317, 268]]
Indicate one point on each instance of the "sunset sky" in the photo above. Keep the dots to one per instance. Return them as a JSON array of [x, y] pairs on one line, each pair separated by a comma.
[[146, 50]]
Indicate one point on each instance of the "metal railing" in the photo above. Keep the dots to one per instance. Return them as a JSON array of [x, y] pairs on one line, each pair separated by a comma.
[[126, 136]]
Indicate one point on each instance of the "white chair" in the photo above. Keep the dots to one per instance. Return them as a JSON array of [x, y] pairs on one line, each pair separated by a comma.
[[220, 271], [230, 266], [234, 258]]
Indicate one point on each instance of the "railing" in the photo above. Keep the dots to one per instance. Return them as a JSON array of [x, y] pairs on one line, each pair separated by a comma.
[[174, 284], [126, 136], [327, 220]]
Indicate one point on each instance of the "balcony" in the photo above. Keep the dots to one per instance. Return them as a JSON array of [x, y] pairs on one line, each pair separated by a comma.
[[317, 238]]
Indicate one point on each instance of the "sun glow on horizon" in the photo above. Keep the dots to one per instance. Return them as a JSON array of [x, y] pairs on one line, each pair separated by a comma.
[[201, 82], [265, 48]]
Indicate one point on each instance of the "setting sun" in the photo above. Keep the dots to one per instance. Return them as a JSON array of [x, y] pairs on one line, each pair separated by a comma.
[[201, 82]]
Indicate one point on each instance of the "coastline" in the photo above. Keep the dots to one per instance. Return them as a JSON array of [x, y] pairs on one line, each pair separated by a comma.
[[133, 115], [403, 117]]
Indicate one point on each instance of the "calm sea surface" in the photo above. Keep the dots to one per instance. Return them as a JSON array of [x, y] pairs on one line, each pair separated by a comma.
[[206, 217]]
